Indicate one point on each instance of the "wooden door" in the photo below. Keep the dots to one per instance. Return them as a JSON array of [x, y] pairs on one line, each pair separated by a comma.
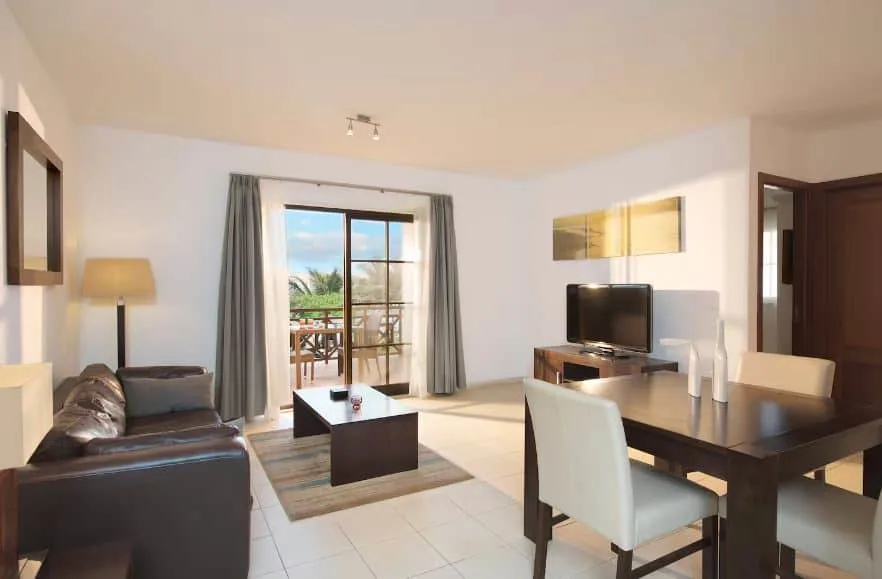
[[845, 281]]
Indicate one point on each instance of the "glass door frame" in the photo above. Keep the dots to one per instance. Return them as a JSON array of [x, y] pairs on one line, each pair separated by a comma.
[[348, 216], [386, 218]]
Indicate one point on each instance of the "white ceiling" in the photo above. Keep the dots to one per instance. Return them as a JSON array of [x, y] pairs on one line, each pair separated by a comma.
[[500, 87]]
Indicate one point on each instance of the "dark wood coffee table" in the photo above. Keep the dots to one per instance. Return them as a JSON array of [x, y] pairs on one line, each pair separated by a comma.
[[379, 439]]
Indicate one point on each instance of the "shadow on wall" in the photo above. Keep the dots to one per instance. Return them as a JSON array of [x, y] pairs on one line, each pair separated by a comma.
[[685, 315]]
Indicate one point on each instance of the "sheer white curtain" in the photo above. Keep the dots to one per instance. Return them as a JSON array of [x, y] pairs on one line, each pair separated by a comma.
[[275, 195], [275, 287], [417, 248]]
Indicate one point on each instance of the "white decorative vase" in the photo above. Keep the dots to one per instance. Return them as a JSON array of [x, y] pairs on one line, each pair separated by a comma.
[[694, 376], [721, 366]]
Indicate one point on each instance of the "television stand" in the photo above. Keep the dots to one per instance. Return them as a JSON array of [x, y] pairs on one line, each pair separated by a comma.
[[558, 364], [606, 352]]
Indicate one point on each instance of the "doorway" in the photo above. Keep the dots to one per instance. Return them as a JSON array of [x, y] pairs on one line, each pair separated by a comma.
[[350, 279], [780, 264], [834, 253], [777, 270]]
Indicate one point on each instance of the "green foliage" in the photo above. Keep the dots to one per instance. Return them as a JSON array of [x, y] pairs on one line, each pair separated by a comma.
[[324, 290], [332, 300], [296, 286], [369, 282], [325, 283]]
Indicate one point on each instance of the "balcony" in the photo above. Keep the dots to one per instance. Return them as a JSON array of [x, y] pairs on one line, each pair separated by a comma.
[[320, 332]]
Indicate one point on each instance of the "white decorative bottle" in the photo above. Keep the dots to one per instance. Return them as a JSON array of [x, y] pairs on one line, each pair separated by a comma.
[[694, 376], [721, 369]]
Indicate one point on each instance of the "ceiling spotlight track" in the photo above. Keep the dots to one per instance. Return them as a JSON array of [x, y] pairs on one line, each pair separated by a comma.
[[363, 119]]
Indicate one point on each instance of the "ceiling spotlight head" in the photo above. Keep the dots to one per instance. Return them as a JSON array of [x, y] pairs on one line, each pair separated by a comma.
[[365, 120]]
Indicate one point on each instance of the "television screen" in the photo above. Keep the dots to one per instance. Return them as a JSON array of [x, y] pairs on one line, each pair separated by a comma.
[[617, 316]]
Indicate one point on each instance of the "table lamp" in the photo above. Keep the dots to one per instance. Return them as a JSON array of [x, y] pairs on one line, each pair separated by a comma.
[[120, 279], [26, 416]]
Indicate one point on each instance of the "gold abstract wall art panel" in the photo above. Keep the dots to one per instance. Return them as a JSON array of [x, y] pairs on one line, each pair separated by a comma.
[[634, 229], [608, 233], [654, 227], [570, 238]]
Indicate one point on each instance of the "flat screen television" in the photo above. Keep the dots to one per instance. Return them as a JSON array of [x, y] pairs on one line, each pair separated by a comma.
[[610, 317]]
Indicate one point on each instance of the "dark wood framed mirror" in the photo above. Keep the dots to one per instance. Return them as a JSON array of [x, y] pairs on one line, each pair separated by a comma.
[[34, 252]]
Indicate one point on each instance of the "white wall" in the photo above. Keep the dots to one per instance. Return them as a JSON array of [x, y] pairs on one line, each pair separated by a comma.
[[849, 151], [38, 323], [164, 198], [710, 170], [779, 151]]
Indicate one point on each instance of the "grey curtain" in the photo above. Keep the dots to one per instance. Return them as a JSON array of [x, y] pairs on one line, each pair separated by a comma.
[[240, 377], [445, 364]]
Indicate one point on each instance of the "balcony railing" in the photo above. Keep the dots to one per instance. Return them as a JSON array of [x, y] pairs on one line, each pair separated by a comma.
[[328, 347]]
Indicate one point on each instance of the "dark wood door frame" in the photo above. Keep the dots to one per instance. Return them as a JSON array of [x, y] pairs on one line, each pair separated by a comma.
[[799, 189], [810, 238]]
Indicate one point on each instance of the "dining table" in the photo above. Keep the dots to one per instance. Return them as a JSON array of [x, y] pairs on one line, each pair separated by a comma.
[[297, 332], [760, 438]]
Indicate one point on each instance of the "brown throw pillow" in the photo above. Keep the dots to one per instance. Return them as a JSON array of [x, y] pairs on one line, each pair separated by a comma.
[[149, 396]]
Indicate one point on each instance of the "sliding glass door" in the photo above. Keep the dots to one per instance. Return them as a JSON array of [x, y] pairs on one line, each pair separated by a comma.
[[379, 275]]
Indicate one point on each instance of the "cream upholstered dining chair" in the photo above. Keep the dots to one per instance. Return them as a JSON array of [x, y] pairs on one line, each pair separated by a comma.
[[798, 374], [584, 471], [833, 525]]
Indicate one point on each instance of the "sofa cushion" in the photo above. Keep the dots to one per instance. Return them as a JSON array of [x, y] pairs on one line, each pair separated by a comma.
[[73, 426], [171, 421], [95, 394], [158, 439], [150, 396]]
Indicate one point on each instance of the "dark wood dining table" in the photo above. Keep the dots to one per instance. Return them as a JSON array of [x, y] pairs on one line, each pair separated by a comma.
[[759, 439]]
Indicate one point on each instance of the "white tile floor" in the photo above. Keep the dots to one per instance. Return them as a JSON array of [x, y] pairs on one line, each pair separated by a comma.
[[467, 530]]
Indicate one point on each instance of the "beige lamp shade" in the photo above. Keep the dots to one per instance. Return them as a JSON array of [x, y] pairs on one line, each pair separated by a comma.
[[118, 278], [25, 410]]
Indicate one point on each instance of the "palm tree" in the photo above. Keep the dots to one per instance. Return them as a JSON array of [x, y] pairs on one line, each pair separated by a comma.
[[298, 287], [369, 282], [325, 283]]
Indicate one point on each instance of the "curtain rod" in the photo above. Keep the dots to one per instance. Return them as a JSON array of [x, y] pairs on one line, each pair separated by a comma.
[[346, 185]]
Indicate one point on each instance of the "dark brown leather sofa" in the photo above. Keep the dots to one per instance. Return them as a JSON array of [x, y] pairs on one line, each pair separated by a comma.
[[175, 485]]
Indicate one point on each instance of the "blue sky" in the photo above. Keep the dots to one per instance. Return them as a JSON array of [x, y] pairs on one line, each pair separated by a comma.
[[315, 239]]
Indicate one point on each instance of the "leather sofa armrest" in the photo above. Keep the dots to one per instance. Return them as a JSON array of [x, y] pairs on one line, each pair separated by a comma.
[[159, 371], [185, 508], [158, 439]]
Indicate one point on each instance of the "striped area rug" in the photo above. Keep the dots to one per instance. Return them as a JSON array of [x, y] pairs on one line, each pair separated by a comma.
[[300, 472]]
